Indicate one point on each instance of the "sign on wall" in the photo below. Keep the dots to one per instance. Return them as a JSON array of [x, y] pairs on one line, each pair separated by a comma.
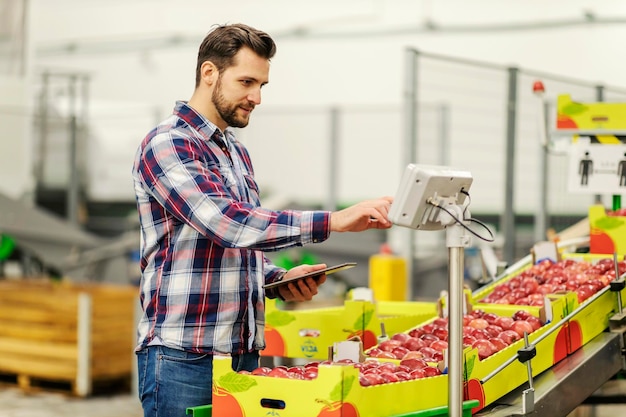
[[597, 168]]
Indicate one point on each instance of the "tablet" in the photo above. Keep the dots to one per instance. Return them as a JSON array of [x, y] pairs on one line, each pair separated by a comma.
[[328, 270]]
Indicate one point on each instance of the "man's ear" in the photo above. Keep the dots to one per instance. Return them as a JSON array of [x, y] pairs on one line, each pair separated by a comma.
[[209, 73]]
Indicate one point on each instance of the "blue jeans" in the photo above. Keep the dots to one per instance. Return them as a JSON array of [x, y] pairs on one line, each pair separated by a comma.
[[171, 380]]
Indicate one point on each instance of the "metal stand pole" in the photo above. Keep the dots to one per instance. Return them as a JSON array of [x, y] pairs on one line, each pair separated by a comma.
[[457, 239]]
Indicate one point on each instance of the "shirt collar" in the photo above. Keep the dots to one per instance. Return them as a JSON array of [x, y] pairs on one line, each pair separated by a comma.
[[198, 122]]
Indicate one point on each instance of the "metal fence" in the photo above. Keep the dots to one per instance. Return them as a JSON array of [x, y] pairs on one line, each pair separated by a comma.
[[472, 115], [496, 132]]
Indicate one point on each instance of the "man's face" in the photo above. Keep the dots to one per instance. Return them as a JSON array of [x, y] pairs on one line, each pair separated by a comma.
[[238, 88]]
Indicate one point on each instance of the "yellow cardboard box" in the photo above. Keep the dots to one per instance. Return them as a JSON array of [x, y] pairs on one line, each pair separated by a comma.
[[549, 350], [308, 333], [581, 328], [589, 322], [335, 392], [607, 234], [590, 116], [594, 318]]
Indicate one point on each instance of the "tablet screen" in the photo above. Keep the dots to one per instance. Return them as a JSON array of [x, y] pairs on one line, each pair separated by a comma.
[[327, 271]]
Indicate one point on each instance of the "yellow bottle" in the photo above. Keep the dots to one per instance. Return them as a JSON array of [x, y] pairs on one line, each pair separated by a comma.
[[387, 275]]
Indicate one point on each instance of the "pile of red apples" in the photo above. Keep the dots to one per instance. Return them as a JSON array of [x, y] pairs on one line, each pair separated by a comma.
[[371, 371], [487, 332], [530, 286]]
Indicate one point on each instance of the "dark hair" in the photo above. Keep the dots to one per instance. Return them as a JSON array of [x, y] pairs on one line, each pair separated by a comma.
[[223, 42]]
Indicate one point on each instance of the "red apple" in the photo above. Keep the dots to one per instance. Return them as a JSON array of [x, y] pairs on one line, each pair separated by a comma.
[[494, 330], [478, 323], [416, 332], [399, 352], [498, 343], [428, 327], [509, 336], [480, 334], [467, 318], [402, 368], [439, 345], [386, 355], [413, 354], [440, 322], [430, 354], [490, 317], [485, 348], [468, 340], [368, 364], [545, 289], [278, 372], [501, 289], [374, 352], [310, 373], [402, 337], [261, 370], [529, 284], [413, 363], [504, 322], [584, 292], [441, 333], [403, 376], [522, 301], [478, 313], [387, 367], [521, 327], [520, 315], [535, 322], [432, 371], [429, 338], [371, 379], [519, 293], [389, 377], [296, 369], [388, 345], [414, 343]]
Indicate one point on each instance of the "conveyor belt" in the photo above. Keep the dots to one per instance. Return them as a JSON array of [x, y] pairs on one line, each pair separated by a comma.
[[560, 389]]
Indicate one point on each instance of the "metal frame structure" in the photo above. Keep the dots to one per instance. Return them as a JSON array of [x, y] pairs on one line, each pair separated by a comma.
[[604, 354]]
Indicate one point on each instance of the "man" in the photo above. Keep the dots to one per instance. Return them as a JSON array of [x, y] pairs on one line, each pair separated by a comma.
[[204, 233]]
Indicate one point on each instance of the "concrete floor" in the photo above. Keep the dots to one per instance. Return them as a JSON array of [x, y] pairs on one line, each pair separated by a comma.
[[16, 403]]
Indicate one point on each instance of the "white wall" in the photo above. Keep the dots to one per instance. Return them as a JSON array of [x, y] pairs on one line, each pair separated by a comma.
[[15, 139], [16, 146], [349, 59]]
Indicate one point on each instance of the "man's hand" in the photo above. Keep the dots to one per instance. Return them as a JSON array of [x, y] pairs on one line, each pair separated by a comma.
[[370, 214], [302, 289]]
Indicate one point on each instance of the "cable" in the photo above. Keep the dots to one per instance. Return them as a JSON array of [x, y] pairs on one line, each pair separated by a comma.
[[457, 220]]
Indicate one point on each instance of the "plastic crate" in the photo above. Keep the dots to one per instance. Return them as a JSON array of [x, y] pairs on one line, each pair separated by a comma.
[[207, 411], [200, 411], [442, 411]]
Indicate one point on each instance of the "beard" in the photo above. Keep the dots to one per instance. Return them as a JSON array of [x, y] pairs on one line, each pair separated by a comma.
[[226, 109]]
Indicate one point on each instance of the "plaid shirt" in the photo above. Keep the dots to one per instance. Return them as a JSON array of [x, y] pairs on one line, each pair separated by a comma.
[[203, 234]]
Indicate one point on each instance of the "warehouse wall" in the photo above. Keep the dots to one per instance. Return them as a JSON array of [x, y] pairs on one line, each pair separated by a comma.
[[15, 137], [141, 57], [16, 145]]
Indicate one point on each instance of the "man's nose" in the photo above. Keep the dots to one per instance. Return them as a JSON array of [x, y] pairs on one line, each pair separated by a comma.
[[255, 97]]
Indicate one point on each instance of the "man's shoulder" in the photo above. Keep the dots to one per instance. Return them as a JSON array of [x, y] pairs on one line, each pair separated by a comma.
[[171, 129]]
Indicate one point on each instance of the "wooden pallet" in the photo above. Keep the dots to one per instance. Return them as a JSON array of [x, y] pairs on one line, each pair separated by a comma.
[[77, 334], [29, 384]]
